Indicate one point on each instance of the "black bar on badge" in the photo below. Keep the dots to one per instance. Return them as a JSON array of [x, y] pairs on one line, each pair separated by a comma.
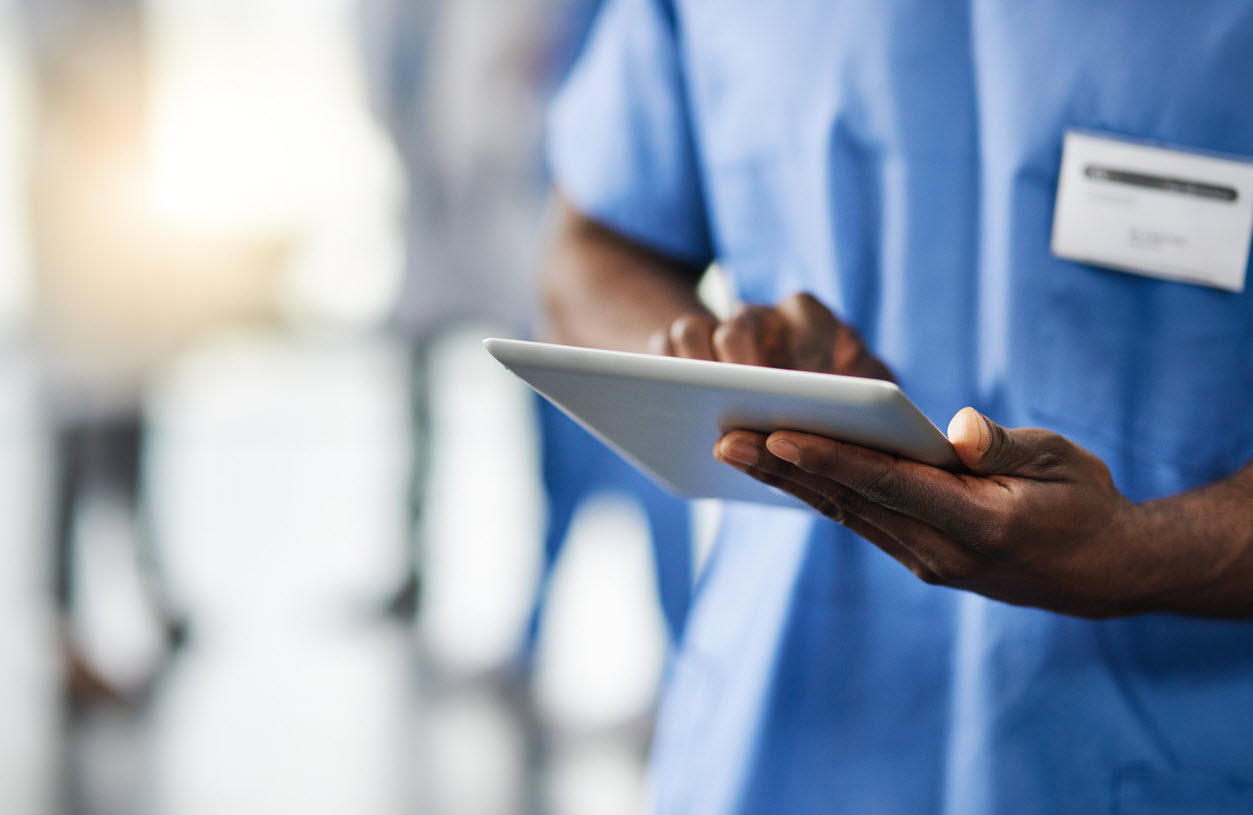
[[1180, 186]]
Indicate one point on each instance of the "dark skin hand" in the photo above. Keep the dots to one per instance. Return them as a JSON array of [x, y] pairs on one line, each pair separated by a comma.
[[799, 333], [1036, 520]]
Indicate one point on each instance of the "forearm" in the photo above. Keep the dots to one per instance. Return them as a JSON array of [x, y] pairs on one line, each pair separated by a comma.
[[604, 291], [1207, 534]]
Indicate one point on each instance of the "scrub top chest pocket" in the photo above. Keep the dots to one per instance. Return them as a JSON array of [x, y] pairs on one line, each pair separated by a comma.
[[1158, 372], [1165, 372], [1155, 375], [1153, 210]]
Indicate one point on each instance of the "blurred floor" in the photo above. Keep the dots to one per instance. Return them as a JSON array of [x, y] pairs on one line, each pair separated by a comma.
[[278, 469]]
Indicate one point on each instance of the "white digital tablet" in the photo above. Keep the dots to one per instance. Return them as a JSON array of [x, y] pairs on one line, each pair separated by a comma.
[[664, 414]]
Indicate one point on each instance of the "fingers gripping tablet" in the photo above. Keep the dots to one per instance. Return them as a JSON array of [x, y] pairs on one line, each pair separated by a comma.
[[664, 414]]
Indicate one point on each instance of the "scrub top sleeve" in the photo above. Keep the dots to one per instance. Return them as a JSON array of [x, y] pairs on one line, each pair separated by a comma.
[[620, 140]]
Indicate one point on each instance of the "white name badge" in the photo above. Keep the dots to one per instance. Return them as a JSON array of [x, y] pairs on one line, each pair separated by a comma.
[[1154, 211]]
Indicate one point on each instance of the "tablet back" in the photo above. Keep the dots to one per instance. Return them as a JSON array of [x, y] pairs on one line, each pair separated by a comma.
[[664, 414]]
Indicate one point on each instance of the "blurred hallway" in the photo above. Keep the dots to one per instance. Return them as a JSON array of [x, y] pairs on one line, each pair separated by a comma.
[[279, 473], [277, 466]]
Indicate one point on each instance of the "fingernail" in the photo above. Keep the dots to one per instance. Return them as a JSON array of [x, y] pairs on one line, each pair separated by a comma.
[[985, 433], [740, 451], [784, 449], [959, 428]]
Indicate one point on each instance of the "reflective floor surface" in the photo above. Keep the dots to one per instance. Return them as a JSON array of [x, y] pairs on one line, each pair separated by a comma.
[[278, 471]]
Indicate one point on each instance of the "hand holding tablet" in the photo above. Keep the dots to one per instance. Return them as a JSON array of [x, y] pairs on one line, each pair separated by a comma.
[[664, 414]]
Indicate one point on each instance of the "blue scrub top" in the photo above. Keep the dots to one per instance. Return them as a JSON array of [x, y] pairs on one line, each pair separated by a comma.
[[899, 158]]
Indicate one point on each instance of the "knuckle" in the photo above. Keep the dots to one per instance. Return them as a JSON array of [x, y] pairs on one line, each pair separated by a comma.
[[1044, 451], [738, 337], [693, 322], [745, 315], [847, 336], [883, 486], [812, 309], [1076, 462], [736, 326], [1101, 470], [830, 508], [1050, 457], [848, 501], [724, 340], [801, 302], [691, 328], [767, 475], [850, 353], [837, 503]]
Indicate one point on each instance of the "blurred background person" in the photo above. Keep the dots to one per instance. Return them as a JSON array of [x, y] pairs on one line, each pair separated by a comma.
[[118, 292], [197, 254], [462, 88], [196, 222]]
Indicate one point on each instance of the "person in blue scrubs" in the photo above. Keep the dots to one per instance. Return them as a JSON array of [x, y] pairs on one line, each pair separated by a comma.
[[1065, 627]]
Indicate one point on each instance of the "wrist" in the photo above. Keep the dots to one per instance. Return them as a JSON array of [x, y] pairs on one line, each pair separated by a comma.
[[1196, 555]]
